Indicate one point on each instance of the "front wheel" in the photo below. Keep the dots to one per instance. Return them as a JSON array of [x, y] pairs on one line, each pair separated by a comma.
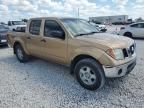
[[90, 74], [20, 53], [128, 34]]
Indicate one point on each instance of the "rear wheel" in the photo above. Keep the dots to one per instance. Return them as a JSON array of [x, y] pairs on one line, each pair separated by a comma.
[[20, 53], [90, 74]]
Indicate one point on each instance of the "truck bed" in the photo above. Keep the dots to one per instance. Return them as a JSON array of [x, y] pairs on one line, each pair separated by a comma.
[[12, 35]]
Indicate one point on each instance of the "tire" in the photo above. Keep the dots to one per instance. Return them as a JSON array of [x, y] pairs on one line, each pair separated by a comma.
[[128, 34], [93, 79], [20, 54]]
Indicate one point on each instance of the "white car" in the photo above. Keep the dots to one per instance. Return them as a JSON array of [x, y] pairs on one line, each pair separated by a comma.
[[15, 25], [135, 30], [100, 27]]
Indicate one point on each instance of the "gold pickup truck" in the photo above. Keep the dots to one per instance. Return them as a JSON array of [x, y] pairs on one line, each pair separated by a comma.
[[92, 56]]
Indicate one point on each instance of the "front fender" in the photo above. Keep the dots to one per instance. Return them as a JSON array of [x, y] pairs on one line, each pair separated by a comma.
[[93, 52]]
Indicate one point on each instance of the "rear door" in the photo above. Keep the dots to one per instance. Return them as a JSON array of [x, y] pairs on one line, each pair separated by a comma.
[[33, 39], [134, 28], [137, 30], [141, 30], [54, 47]]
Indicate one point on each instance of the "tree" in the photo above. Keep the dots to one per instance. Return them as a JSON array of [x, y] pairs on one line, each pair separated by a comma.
[[24, 20], [139, 19], [2, 23]]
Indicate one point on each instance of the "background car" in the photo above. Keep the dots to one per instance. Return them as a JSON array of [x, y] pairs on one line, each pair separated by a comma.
[[100, 27], [3, 34], [14, 25], [135, 30]]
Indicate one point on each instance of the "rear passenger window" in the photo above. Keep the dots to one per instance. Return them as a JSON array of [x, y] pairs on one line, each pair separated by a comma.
[[35, 27]]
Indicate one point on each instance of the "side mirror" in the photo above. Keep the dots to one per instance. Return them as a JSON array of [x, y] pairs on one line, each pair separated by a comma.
[[58, 34]]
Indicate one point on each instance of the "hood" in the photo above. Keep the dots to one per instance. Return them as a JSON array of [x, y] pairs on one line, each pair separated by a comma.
[[105, 41]]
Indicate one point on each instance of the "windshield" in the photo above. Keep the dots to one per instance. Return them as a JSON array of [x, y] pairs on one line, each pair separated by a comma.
[[79, 27], [18, 23]]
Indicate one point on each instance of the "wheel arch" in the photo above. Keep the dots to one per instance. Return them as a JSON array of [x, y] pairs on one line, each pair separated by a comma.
[[14, 46], [78, 58], [17, 42], [128, 32]]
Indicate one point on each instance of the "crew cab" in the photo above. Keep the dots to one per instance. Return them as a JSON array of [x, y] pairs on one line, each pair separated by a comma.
[[92, 56]]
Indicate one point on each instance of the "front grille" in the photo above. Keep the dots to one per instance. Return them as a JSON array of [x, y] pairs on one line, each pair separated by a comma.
[[131, 67], [128, 52]]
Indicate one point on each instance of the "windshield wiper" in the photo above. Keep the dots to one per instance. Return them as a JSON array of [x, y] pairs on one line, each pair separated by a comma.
[[81, 34]]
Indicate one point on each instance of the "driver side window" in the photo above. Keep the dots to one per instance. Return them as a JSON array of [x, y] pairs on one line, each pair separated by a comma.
[[50, 27]]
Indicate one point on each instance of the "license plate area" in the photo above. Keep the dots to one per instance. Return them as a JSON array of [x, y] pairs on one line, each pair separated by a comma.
[[3, 40]]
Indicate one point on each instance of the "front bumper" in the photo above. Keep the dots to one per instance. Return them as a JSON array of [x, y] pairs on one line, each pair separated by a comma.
[[3, 39], [121, 70]]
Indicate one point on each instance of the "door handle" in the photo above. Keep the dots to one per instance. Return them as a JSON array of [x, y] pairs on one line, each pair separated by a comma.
[[28, 37], [43, 40]]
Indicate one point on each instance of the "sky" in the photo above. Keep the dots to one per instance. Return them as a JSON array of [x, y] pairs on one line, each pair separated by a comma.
[[20, 9]]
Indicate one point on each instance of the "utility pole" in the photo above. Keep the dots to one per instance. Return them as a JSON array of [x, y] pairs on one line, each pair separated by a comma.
[[78, 12]]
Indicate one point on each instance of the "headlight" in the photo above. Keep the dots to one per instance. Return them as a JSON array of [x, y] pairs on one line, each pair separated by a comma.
[[116, 53]]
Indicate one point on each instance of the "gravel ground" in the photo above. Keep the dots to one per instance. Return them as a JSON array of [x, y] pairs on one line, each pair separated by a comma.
[[41, 84]]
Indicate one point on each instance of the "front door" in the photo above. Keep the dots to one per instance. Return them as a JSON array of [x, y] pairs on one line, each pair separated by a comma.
[[141, 30], [54, 42], [137, 30]]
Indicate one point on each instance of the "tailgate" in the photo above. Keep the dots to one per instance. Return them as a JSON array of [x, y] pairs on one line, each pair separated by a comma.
[[10, 39]]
